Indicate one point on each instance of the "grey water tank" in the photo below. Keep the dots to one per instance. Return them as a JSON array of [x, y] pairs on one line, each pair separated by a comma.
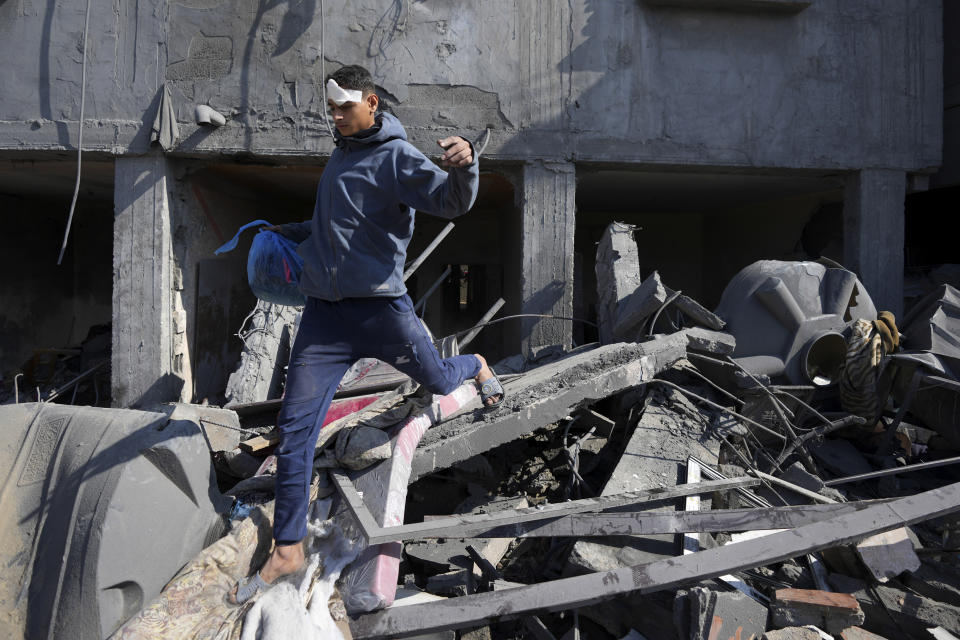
[[789, 318], [100, 508]]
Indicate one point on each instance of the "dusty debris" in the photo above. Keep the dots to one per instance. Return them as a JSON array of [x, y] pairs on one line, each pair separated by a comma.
[[700, 479]]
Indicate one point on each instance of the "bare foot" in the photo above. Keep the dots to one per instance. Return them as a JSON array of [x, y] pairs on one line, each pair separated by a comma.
[[284, 560], [484, 375]]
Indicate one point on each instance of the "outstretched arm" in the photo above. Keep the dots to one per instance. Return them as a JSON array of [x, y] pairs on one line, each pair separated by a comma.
[[423, 185]]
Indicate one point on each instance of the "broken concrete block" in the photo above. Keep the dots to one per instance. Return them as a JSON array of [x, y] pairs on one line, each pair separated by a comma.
[[715, 614], [792, 633], [450, 584], [888, 554], [912, 612], [632, 312], [266, 348], [670, 429], [696, 311], [618, 275], [716, 342], [831, 611]]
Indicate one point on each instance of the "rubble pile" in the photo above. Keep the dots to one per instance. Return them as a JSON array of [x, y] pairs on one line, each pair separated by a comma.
[[781, 468]]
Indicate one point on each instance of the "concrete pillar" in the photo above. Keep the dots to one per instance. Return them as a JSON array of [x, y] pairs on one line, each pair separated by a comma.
[[548, 221], [873, 234], [144, 359]]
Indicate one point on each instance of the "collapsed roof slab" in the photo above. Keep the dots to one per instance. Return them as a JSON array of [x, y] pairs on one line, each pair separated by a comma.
[[580, 591], [545, 395]]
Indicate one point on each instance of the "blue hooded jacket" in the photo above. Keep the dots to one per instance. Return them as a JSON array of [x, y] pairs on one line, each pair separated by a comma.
[[363, 218]]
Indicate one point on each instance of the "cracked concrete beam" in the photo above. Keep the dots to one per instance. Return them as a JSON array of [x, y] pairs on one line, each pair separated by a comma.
[[543, 396]]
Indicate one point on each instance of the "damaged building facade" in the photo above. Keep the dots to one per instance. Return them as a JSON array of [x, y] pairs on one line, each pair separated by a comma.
[[727, 131]]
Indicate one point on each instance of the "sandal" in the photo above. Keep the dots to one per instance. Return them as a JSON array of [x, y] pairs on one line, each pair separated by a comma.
[[249, 588], [489, 388]]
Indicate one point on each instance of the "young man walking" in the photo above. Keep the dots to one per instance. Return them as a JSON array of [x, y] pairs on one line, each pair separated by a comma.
[[354, 250]]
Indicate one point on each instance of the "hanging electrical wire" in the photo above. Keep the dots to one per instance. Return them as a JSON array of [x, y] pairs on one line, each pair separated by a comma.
[[323, 74], [83, 96]]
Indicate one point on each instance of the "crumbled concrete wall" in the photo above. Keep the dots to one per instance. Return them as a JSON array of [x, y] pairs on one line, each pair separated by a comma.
[[839, 84]]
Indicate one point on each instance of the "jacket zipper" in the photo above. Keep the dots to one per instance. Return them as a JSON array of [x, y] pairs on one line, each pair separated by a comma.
[[333, 250]]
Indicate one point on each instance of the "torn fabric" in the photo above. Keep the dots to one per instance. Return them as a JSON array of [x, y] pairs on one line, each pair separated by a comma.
[[165, 131]]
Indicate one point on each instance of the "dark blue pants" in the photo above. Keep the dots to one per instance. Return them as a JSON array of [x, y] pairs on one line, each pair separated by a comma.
[[332, 336]]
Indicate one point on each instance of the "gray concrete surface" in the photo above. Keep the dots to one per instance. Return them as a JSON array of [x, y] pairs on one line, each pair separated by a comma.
[[546, 279], [873, 234], [266, 348], [145, 368], [605, 81]]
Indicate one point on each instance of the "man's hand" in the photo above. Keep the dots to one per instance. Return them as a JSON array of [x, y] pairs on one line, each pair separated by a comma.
[[457, 152]]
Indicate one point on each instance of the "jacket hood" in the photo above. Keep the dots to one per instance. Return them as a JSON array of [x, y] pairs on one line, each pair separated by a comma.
[[387, 127]]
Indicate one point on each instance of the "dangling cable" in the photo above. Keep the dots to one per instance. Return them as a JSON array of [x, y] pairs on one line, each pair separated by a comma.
[[323, 75], [83, 96]]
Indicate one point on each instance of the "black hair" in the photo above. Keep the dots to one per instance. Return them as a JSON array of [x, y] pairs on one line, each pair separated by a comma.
[[353, 77]]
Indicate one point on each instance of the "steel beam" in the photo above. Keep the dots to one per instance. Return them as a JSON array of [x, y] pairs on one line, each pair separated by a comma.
[[468, 526], [581, 591]]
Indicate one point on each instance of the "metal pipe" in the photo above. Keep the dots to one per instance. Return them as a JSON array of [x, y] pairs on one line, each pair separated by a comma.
[[892, 472], [422, 301], [482, 321], [426, 252], [792, 487]]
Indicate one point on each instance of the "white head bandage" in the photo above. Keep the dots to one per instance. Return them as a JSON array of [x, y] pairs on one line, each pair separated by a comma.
[[339, 95]]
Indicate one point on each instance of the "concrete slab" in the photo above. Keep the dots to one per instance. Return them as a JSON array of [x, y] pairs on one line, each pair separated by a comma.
[[654, 457], [716, 342], [543, 396], [888, 554], [670, 429]]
